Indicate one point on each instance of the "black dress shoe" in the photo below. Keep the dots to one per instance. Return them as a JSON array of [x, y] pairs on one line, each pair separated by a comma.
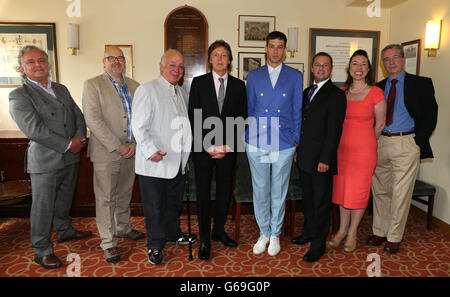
[[312, 256], [226, 240], [204, 252], [49, 261], [77, 236], [300, 240]]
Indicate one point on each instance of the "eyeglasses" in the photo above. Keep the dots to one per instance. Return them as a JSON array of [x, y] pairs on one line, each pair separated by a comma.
[[118, 58], [394, 58]]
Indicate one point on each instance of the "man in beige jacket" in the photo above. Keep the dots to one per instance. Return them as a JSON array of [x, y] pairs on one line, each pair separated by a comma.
[[107, 102]]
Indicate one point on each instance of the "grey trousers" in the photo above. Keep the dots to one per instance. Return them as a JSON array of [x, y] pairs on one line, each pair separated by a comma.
[[52, 195]]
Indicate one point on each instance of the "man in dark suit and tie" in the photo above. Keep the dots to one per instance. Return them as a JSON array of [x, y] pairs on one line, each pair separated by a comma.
[[411, 118], [46, 113], [324, 107], [217, 97]]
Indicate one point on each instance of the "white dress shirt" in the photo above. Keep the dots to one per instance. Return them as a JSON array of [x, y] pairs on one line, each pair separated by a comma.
[[274, 73]]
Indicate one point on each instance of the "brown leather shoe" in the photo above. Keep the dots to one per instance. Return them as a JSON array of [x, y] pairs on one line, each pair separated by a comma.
[[49, 261], [77, 236], [375, 240], [391, 247]]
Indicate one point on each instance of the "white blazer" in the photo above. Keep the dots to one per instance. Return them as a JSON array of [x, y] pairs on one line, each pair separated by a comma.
[[157, 126]]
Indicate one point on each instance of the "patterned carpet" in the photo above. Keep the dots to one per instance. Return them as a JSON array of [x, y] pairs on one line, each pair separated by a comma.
[[422, 254]]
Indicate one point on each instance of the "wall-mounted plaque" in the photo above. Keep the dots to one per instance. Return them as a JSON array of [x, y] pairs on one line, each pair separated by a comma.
[[186, 30]]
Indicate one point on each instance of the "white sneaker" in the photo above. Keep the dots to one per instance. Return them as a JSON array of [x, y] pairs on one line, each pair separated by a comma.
[[260, 245], [274, 246]]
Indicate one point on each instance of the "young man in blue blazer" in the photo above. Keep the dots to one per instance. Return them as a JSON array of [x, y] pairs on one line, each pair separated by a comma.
[[274, 94]]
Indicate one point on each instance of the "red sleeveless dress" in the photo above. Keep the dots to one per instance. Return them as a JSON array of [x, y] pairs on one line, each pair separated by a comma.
[[357, 152]]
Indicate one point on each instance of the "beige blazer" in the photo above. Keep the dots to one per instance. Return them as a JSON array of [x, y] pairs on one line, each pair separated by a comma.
[[105, 117]]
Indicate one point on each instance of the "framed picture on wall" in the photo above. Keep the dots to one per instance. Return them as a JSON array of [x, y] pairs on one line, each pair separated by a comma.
[[299, 66], [253, 30], [128, 54], [248, 62], [13, 37], [340, 45], [412, 55]]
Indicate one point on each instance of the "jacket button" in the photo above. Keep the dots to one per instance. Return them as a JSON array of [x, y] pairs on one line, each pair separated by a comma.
[[262, 94], [278, 110], [284, 95], [266, 110]]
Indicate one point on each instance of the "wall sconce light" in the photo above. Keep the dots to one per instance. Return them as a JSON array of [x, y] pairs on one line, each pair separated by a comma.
[[432, 37], [292, 41], [72, 38]]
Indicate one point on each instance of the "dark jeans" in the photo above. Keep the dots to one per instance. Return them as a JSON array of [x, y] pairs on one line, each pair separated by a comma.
[[162, 201]]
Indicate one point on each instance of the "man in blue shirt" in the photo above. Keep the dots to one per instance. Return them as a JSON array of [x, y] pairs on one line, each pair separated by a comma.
[[411, 118], [274, 94]]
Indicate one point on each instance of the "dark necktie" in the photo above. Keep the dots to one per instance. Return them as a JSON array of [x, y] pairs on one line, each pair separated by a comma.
[[221, 97], [391, 102], [310, 94]]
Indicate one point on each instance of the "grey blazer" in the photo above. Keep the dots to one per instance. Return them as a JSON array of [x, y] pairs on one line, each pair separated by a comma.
[[49, 123]]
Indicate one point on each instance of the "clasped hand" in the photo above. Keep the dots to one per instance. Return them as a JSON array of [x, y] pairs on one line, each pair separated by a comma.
[[127, 150]]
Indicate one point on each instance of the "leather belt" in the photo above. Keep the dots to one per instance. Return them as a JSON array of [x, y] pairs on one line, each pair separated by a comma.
[[389, 134]]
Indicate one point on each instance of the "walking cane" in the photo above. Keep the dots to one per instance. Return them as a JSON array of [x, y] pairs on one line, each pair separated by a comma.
[[188, 212]]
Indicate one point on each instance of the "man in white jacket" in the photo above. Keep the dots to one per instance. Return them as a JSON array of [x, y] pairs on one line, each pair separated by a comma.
[[163, 136]]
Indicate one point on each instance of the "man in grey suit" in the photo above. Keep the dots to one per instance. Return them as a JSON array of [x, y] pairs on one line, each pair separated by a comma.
[[50, 118], [107, 100]]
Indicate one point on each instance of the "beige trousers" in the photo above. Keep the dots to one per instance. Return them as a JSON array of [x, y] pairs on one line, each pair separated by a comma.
[[113, 188], [393, 185]]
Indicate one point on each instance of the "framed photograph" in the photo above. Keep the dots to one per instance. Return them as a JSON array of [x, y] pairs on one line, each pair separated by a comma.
[[253, 30], [248, 62], [13, 37], [412, 55], [299, 66], [340, 45], [128, 54]]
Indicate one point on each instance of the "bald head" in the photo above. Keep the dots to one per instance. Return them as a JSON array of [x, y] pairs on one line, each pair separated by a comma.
[[114, 62], [113, 50], [172, 66]]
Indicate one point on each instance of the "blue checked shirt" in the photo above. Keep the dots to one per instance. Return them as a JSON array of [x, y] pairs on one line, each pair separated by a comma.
[[125, 96]]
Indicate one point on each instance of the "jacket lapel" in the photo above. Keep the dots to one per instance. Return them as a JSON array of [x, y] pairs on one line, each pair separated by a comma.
[[38, 92], [320, 94]]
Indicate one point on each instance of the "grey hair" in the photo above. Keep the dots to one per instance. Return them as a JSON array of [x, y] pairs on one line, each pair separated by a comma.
[[22, 52], [163, 57], [393, 46]]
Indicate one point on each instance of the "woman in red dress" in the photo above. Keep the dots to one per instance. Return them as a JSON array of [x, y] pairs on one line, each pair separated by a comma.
[[357, 151]]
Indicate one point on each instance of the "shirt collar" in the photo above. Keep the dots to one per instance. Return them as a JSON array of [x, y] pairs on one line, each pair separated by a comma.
[[115, 81], [320, 84], [278, 68], [49, 83], [400, 78], [216, 76]]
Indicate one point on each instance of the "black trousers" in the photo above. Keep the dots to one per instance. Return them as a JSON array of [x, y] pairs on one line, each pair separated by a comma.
[[317, 191], [204, 169], [162, 201]]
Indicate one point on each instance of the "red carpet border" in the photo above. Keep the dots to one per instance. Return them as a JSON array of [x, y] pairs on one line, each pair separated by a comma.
[[422, 254]]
